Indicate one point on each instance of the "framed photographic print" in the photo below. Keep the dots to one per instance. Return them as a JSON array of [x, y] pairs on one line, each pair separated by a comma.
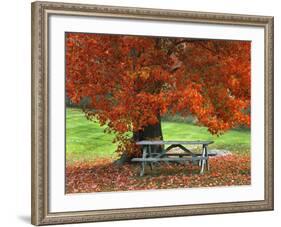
[[149, 113]]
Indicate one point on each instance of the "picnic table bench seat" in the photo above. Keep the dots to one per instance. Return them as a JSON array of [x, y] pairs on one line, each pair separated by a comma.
[[149, 156]]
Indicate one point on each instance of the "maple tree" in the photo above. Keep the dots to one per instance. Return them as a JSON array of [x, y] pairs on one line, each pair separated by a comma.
[[131, 81]]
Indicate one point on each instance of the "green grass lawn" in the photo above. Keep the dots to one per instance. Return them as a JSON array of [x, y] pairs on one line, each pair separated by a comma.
[[86, 140]]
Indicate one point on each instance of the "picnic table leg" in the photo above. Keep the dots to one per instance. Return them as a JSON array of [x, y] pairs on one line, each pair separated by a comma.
[[149, 155], [203, 162], [143, 162], [200, 161], [207, 161]]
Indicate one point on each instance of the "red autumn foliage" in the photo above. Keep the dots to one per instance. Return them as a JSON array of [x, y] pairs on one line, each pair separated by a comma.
[[130, 80], [103, 175]]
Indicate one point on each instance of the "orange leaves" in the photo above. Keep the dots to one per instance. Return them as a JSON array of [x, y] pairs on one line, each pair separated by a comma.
[[103, 175], [133, 79], [143, 74]]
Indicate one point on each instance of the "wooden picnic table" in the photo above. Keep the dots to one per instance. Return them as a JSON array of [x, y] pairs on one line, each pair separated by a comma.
[[150, 156]]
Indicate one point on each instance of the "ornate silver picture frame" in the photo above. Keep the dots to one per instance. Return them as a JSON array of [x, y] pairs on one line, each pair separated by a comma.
[[42, 214]]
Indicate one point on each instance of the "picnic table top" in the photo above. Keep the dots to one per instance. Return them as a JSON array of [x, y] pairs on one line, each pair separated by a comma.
[[161, 142]]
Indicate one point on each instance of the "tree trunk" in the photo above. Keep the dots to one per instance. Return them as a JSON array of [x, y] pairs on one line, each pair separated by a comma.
[[150, 132]]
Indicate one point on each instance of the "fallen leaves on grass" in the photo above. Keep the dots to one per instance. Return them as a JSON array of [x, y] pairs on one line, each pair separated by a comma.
[[103, 176]]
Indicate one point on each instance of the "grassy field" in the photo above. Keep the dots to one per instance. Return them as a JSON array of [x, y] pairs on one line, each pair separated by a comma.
[[85, 140]]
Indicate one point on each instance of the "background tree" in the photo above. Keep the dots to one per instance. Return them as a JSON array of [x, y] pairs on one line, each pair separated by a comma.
[[131, 81]]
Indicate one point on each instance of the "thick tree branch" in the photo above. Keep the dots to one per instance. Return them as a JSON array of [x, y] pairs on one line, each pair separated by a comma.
[[196, 41], [170, 51]]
